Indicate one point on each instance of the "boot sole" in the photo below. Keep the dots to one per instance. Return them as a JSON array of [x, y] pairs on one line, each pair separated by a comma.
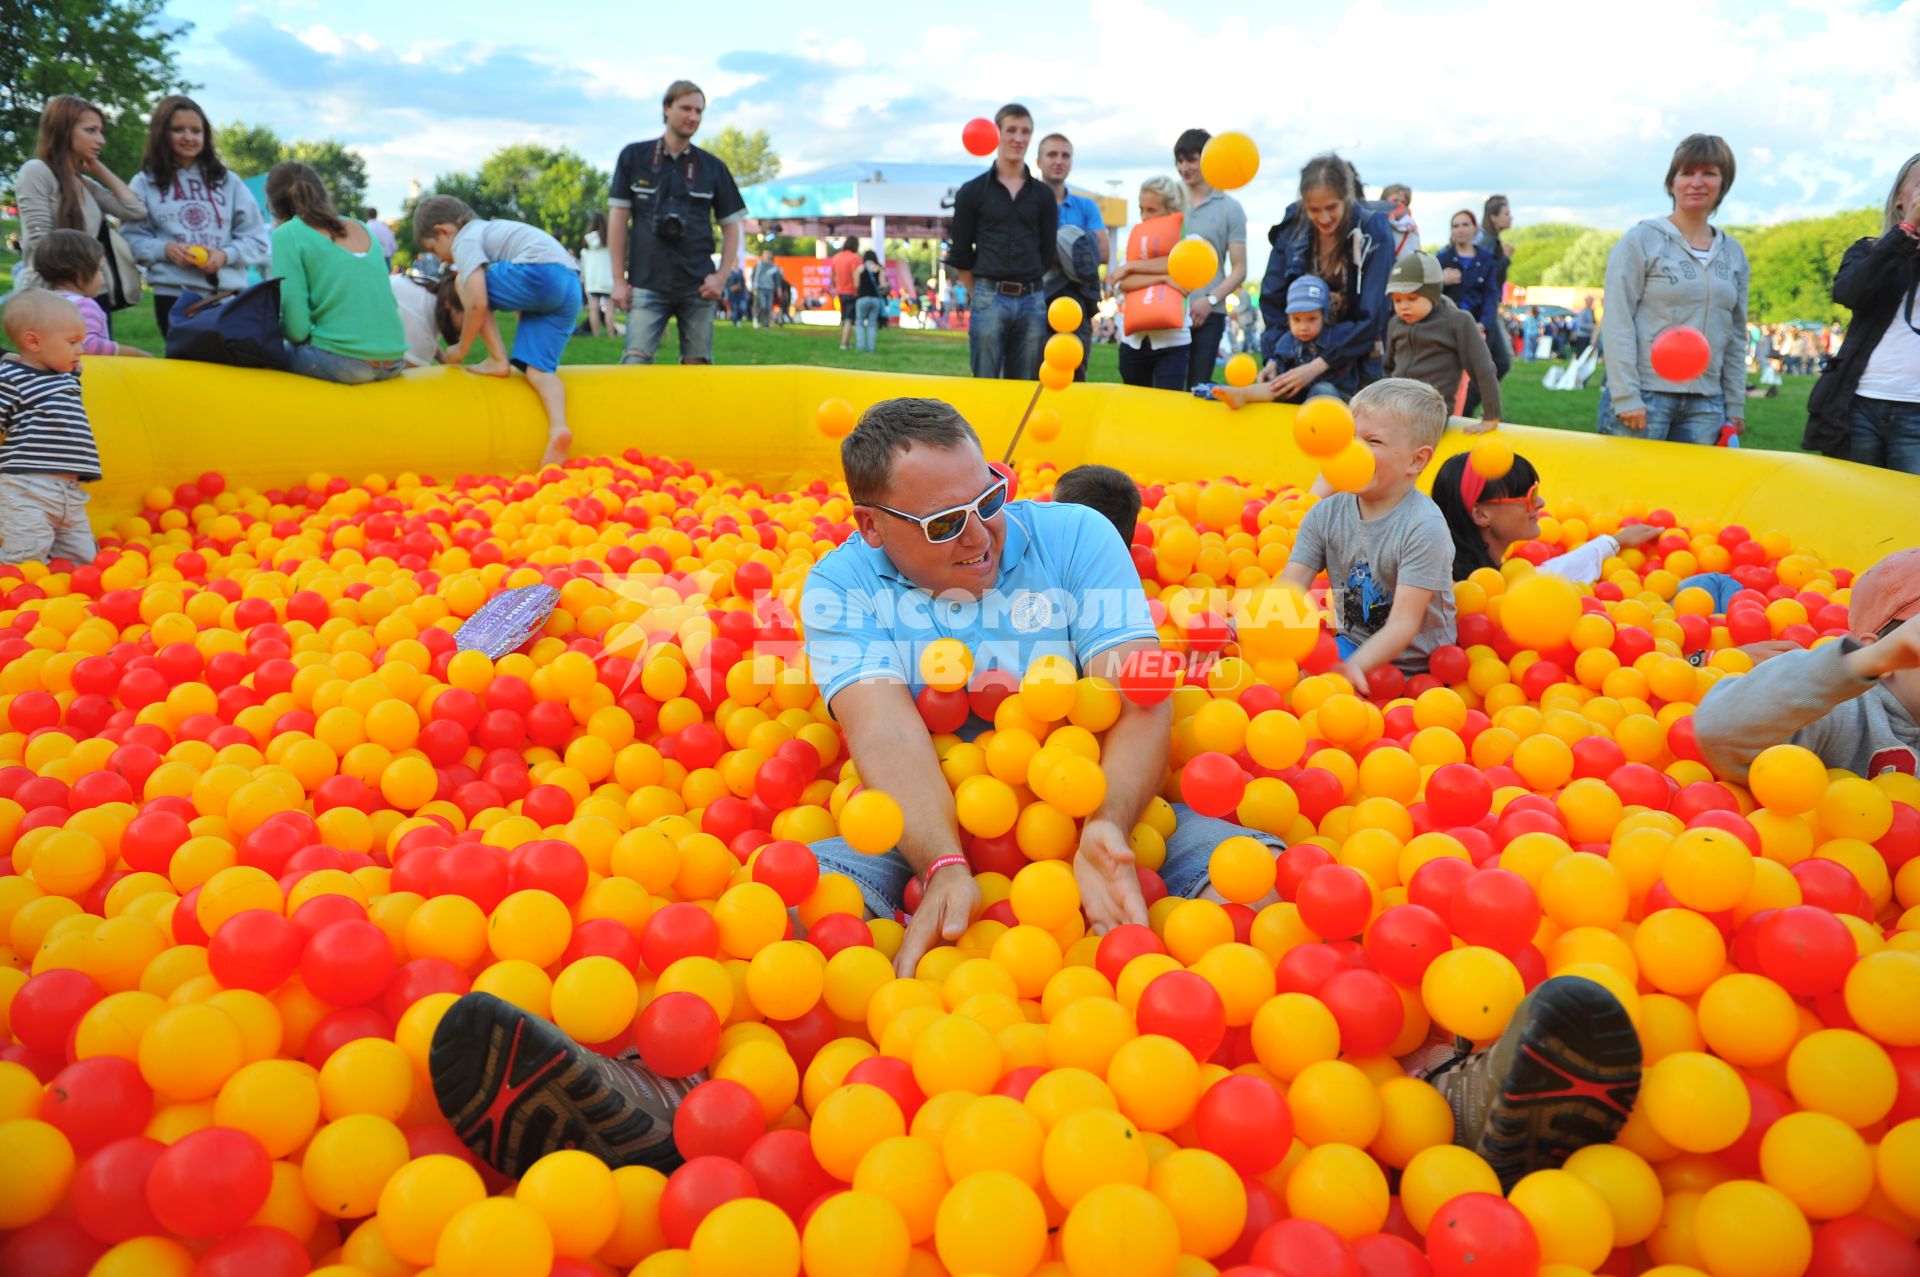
[[516, 1088], [1571, 1082]]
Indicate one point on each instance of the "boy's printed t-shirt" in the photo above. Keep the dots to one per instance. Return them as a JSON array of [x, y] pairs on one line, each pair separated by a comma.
[[1067, 587], [1366, 560], [480, 242]]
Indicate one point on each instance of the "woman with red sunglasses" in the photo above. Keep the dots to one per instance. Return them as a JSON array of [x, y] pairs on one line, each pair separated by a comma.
[[1487, 516]]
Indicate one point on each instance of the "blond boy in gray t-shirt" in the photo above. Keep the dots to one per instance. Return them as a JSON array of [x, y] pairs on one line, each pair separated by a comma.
[[1385, 549]]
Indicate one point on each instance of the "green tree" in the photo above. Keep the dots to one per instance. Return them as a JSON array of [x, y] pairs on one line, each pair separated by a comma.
[[247, 149], [1584, 264], [750, 156], [341, 169], [1793, 264], [118, 54], [1538, 247]]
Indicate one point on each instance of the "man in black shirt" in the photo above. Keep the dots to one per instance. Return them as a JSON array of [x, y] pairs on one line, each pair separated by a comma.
[[1004, 223], [667, 194]]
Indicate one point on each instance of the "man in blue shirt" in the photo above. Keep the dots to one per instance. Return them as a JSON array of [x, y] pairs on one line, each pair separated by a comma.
[[1056, 163]]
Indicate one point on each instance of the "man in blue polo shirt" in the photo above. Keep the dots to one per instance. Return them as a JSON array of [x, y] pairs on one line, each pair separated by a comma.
[[1056, 165], [941, 554]]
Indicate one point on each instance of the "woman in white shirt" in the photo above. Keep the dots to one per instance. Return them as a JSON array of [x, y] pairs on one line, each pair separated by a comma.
[[1157, 357], [1866, 406]]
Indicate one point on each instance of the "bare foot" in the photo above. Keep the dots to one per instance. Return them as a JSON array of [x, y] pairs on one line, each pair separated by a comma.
[[491, 368], [558, 443]]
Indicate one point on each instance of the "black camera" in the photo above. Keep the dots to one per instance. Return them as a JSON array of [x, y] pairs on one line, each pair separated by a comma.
[[669, 224]]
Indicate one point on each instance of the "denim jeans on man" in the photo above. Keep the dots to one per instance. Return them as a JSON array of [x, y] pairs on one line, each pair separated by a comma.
[[1675, 417], [1884, 432], [883, 879], [647, 324], [308, 360], [1005, 335], [866, 323], [1162, 368]]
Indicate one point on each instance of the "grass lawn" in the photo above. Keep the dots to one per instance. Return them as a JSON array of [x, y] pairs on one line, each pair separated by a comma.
[[1771, 423]]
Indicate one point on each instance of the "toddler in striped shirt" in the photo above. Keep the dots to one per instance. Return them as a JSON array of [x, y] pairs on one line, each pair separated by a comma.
[[46, 444]]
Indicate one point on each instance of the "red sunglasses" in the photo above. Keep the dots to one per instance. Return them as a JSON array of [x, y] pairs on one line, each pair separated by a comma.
[[1532, 496]]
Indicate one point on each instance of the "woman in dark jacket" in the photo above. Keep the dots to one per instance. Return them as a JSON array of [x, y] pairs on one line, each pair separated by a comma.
[[1330, 233], [1866, 405], [1478, 292]]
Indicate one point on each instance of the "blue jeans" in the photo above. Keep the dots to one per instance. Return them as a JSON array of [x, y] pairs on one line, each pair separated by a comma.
[[1679, 418], [1006, 335], [883, 879], [1883, 432], [343, 370], [647, 323], [1159, 367], [866, 323]]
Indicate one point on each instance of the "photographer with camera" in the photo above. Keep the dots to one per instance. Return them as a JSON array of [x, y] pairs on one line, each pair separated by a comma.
[[667, 194]]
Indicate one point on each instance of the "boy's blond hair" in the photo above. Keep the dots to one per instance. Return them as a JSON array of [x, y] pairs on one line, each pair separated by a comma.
[[439, 210], [1413, 404]]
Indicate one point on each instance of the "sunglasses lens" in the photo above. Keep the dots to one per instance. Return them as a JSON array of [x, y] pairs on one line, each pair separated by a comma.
[[945, 527], [993, 502]]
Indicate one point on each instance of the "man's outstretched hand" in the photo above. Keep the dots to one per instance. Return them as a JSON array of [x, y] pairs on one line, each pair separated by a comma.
[[951, 901], [1104, 870]]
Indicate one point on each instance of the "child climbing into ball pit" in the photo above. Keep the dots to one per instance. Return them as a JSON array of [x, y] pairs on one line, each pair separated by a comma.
[[503, 265], [1112, 492], [1386, 548], [1487, 517], [1853, 702], [47, 450]]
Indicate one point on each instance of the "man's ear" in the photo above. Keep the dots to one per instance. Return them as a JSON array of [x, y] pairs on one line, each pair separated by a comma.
[[869, 525]]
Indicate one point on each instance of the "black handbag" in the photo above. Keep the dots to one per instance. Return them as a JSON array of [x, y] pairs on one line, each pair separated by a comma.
[[241, 329], [122, 272]]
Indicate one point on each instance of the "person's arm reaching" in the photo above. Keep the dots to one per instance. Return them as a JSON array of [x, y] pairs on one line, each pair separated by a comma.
[[890, 745], [476, 320], [1789, 695], [1391, 639], [1134, 758], [1479, 357]]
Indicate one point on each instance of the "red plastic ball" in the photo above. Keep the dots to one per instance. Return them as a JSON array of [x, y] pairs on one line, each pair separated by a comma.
[[1245, 1121], [788, 1174], [680, 930], [1862, 1246], [1367, 1009], [256, 1251], [1304, 1248], [677, 1034], [49, 1005], [719, 1118], [97, 1101], [1458, 794], [209, 1182], [255, 949], [1495, 908], [347, 963], [790, 868], [1805, 950], [693, 1191], [1405, 939], [1335, 901], [1122, 945], [1481, 1235], [1182, 1006]]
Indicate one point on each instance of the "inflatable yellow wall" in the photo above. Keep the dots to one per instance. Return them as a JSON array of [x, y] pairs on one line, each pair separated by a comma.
[[160, 423]]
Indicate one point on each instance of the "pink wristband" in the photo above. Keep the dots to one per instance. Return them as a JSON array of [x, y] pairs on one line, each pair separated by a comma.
[[941, 863]]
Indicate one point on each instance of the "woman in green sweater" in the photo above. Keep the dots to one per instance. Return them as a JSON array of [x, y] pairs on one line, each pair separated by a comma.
[[336, 306]]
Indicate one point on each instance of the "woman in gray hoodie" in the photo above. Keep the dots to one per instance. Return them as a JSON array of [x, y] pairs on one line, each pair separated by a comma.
[[203, 227], [1673, 271]]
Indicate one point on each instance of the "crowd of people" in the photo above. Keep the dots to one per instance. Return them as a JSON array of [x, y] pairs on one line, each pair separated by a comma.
[[1348, 295]]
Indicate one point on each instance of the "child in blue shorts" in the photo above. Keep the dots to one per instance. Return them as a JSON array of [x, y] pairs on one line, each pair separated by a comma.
[[508, 266]]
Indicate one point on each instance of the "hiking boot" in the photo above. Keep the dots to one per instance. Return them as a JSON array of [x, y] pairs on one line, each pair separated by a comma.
[[1564, 1075], [516, 1088]]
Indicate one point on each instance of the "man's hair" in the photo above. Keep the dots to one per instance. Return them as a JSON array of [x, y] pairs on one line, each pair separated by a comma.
[[1056, 137], [28, 310], [677, 90], [1011, 111], [1111, 492], [1699, 150], [67, 257], [1414, 404], [439, 210], [1170, 191], [369, 214], [1189, 144], [892, 426], [1397, 190]]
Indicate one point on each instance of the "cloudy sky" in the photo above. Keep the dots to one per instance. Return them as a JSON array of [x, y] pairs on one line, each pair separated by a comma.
[[1570, 108]]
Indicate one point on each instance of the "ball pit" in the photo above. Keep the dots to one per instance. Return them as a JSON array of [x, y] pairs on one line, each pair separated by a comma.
[[264, 825]]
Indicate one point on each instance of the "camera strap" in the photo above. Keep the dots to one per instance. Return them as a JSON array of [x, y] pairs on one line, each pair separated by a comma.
[[661, 159]]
